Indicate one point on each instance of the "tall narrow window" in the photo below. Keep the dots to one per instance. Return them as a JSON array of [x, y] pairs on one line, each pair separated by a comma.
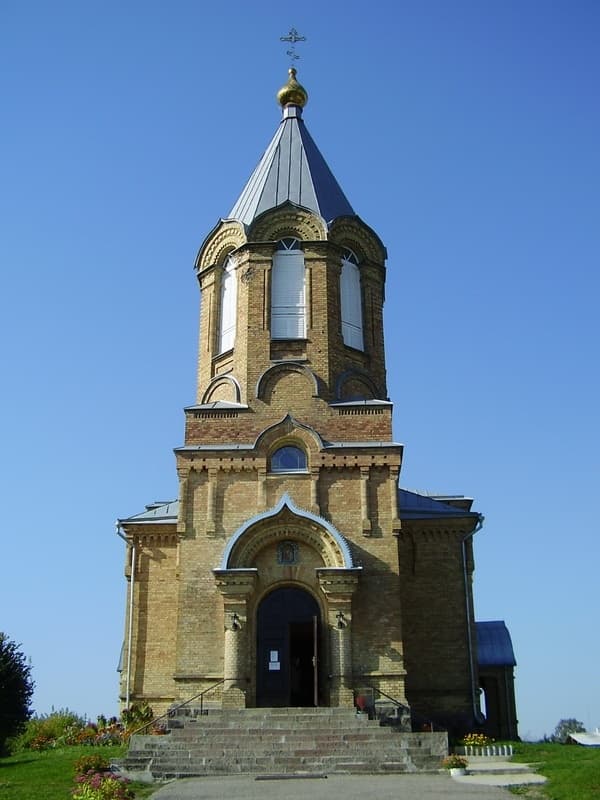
[[288, 310], [351, 297], [228, 306]]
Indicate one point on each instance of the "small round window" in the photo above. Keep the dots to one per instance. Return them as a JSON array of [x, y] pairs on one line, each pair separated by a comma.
[[288, 459]]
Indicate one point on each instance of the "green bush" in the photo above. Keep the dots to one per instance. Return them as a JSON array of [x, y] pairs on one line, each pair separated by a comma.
[[101, 786], [49, 730], [64, 727], [137, 715], [96, 762]]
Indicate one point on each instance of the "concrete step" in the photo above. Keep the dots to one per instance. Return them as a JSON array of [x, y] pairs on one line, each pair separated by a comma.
[[281, 740], [496, 771]]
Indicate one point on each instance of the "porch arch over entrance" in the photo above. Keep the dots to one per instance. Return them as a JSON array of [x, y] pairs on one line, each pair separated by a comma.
[[288, 646], [274, 523]]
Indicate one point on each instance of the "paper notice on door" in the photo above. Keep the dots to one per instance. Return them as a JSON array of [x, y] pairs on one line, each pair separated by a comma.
[[274, 666]]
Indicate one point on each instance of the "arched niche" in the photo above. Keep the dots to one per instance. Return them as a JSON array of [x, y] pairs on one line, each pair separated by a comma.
[[224, 388], [287, 220], [224, 238], [353, 233], [289, 431], [291, 378], [283, 523], [355, 384]]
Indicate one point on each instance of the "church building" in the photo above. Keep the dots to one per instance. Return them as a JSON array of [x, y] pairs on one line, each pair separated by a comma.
[[292, 570]]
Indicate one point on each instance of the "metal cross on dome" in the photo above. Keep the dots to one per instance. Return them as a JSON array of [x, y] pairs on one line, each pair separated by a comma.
[[292, 37]]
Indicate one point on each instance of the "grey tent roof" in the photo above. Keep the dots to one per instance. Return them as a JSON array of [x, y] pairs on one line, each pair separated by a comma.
[[494, 645], [291, 170]]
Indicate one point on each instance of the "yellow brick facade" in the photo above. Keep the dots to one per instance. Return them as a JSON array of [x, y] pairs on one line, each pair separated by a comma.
[[394, 599]]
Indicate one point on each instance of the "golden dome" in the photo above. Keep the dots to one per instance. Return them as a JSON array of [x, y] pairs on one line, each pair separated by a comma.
[[292, 94]]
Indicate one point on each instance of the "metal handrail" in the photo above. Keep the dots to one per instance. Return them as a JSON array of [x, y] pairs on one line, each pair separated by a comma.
[[414, 716], [173, 709], [387, 696], [382, 693]]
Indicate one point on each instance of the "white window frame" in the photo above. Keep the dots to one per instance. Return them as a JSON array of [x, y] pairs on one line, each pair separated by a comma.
[[351, 301], [288, 291], [228, 306]]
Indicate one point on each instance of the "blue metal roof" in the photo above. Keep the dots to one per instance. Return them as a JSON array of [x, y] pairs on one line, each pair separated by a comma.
[[293, 170], [494, 646], [217, 405], [413, 505], [155, 512]]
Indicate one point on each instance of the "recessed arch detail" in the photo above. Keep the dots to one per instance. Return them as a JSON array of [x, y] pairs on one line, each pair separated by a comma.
[[287, 220], [285, 521], [225, 237], [352, 232], [221, 383], [286, 366], [360, 377], [289, 430]]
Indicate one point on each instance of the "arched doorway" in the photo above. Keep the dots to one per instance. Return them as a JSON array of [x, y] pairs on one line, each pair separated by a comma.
[[287, 649]]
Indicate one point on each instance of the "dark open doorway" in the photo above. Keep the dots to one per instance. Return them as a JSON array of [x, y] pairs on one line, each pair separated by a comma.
[[287, 649]]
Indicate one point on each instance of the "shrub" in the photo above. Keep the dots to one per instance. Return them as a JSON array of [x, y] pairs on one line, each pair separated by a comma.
[[136, 716], [64, 727], [476, 740], [49, 730], [95, 762], [454, 762], [85, 735], [94, 785]]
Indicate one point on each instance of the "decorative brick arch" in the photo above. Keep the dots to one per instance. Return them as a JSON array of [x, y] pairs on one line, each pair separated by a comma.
[[220, 383], [226, 236], [286, 367], [352, 232], [287, 220], [283, 522], [288, 430], [357, 377]]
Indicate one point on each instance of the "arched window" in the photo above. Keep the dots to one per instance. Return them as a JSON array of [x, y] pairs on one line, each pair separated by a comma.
[[351, 297], [228, 306], [288, 459], [288, 310]]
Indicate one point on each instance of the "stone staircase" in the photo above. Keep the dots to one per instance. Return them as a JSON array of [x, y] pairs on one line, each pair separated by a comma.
[[280, 741]]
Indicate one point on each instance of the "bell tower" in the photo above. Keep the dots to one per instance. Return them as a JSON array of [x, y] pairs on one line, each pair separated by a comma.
[[292, 403], [292, 275]]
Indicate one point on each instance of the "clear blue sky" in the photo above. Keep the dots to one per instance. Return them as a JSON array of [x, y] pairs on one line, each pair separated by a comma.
[[466, 133]]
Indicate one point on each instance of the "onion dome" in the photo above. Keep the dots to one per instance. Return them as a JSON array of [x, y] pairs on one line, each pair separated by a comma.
[[293, 93]]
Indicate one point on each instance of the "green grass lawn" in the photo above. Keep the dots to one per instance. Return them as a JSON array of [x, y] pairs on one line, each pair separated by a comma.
[[573, 771], [49, 775]]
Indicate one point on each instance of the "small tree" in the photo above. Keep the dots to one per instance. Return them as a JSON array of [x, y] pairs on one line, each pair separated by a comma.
[[565, 727], [16, 689]]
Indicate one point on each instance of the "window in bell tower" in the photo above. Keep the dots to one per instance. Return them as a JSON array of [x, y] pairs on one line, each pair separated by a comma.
[[228, 306], [288, 305], [288, 459], [351, 300]]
